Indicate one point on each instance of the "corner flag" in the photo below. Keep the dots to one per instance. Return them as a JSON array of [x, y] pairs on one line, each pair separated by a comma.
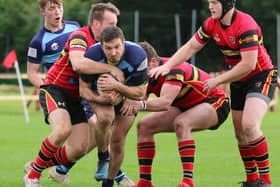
[[9, 62], [10, 59]]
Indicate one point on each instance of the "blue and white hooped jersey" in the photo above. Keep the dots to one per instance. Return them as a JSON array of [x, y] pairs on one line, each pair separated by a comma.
[[133, 64], [45, 46]]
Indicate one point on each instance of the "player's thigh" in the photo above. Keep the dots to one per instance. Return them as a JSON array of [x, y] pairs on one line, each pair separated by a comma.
[[254, 111], [201, 116], [103, 112], [121, 126], [79, 136], [156, 122], [60, 120]]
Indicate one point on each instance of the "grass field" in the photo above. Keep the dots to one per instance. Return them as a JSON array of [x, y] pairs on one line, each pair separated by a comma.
[[217, 158]]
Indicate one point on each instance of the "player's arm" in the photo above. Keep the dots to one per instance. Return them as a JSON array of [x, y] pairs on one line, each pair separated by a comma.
[[168, 94], [243, 68], [183, 54], [91, 96], [33, 74], [132, 92]]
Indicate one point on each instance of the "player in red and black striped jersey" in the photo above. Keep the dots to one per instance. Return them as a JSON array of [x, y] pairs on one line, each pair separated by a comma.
[[252, 76], [182, 107]]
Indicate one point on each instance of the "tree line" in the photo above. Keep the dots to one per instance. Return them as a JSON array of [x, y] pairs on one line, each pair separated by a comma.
[[20, 20]]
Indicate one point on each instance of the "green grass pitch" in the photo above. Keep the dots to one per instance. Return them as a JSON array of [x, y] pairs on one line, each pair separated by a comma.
[[217, 162]]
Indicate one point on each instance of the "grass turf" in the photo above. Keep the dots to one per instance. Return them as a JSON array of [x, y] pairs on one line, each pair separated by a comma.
[[217, 162]]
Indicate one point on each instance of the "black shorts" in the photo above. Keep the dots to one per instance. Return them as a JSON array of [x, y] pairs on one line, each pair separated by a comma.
[[222, 107], [261, 85], [53, 97]]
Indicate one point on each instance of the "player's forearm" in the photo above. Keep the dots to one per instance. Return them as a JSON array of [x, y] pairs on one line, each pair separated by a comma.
[[157, 104], [235, 74], [131, 92], [184, 53], [35, 79]]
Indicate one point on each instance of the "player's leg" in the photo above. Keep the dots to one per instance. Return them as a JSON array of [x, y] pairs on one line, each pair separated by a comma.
[[103, 159], [208, 115], [61, 128], [76, 147], [253, 114], [149, 125], [120, 128]]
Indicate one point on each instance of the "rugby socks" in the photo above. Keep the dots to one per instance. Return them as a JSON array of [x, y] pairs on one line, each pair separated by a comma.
[[46, 152], [60, 157], [146, 153], [108, 183], [249, 162], [64, 169], [259, 148], [187, 153], [103, 155]]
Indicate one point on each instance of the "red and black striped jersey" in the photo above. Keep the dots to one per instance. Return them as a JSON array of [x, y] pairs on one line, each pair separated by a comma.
[[244, 34], [190, 79], [62, 73]]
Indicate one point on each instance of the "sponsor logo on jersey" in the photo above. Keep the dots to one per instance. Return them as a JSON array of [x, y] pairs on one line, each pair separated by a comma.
[[54, 46]]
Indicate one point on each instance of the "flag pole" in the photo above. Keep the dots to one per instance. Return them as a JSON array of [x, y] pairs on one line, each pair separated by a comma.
[[27, 120]]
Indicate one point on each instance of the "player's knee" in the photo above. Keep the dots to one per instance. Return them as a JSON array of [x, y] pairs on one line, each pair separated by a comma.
[[143, 128], [179, 124], [62, 134], [104, 121], [249, 128]]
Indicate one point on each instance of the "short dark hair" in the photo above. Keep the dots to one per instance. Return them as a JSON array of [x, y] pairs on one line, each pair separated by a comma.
[[110, 33]]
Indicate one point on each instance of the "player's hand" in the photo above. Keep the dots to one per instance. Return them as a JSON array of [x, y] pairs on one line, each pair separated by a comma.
[[209, 85], [106, 82], [116, 72], [128, 107], [156, 72]]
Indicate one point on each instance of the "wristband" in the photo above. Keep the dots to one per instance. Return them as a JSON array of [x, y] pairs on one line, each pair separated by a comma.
[[143, 105]]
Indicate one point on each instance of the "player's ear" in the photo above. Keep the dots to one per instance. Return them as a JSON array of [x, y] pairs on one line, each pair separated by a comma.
[[153, 60]]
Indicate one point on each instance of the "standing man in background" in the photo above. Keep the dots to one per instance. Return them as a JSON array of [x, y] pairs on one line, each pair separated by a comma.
[[49, 41], [252, 76]]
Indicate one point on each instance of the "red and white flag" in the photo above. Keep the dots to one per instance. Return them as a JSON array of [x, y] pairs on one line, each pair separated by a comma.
[[10, 59]]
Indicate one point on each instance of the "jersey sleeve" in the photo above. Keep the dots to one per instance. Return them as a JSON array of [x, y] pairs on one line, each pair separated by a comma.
[[139, 75], [249, 36], [203, 33], [34, 53], [175, 77], [78, 41]]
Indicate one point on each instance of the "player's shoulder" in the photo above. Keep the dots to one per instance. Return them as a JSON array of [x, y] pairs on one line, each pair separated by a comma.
[[245, 18], [245, 22], [72, 23], [133, 49], [95, 52], [83, 31], [38, 37]]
